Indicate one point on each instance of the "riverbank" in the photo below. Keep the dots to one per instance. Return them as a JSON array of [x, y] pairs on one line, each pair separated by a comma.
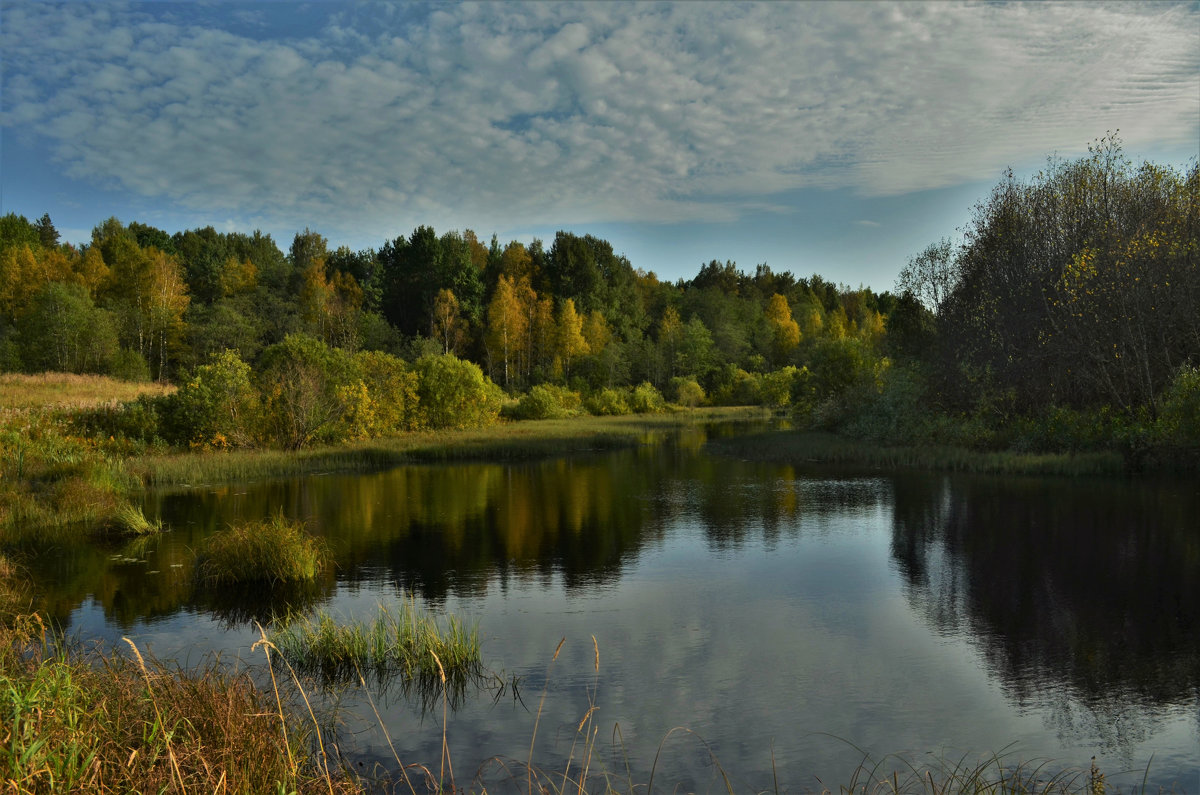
[[505, 441], [822, 448], [52, 479]]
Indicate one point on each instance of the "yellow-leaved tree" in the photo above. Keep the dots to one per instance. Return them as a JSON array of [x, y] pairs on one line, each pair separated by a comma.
[[785, 332]]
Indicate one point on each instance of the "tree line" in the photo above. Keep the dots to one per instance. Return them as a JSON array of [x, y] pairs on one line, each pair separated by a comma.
[[1076, 289]]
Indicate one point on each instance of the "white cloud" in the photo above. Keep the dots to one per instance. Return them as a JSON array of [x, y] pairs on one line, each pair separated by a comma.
[[504, 115]]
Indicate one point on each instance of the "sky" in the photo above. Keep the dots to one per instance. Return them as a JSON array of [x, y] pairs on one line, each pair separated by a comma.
[[831, 138]]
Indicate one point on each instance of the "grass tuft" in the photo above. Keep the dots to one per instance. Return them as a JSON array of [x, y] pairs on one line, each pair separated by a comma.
[[130, 521], [404, 642], [276, 550]]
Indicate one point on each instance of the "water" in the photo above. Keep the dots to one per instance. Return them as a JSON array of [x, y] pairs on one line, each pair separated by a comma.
[[778, 622]]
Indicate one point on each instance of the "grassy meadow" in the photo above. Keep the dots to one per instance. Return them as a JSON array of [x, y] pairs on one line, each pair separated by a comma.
[[65, 391]]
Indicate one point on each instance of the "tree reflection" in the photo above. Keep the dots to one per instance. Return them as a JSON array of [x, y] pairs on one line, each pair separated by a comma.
[[1073, 589]]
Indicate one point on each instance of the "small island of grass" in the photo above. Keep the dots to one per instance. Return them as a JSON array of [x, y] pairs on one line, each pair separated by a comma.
[[275, 550]]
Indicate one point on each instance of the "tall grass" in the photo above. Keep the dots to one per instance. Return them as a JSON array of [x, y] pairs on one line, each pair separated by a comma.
[[403, 642], [70, 391], [276, 550], [95, 721]]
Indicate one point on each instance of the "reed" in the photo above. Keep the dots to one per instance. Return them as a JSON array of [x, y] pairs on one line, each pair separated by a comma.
[[276, 550], [403, 641]]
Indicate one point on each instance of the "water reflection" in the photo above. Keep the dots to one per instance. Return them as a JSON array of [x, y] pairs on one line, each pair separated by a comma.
[[742, 599], [1091, 585]]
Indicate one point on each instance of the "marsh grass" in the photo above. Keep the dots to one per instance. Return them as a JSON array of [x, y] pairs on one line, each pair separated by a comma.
[[94, 720], [404, 642], [809, 447], [129, 520], [94, 723], [70, 391], [276, 550]]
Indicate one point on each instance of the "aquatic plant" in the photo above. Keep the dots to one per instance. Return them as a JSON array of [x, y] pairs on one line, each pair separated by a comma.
[[274, 550], [402, 641], [131, 521]]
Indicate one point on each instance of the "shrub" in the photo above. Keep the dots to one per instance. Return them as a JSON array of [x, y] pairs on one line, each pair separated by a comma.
[[392, 390], [453, 393], [687, 392], [775, 389], [548, 401], [135, 420], [128, 365], [218, 406], [302, 383], [274, 551], [608, 403], [645, 399], [1179, 414]]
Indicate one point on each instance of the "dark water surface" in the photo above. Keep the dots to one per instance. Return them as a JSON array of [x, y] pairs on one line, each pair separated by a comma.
[[785, 618]]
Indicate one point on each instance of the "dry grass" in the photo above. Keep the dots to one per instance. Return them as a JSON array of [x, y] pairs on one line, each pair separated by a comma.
[[70, 391]]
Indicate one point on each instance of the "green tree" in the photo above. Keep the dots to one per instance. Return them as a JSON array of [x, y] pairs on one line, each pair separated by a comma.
[[217, 406], [62, 330]]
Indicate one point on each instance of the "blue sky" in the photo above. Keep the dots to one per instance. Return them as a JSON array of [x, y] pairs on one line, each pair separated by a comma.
[[835, 138]]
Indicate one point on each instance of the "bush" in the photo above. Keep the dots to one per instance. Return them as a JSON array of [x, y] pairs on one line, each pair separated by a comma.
[[645, 399], [392, 399], [687, 392], [217, 407], [775, 389], [1179, 414], [453, 393], [136, 421], [608, 403], [548, 401], [303, 383], [128, 365]]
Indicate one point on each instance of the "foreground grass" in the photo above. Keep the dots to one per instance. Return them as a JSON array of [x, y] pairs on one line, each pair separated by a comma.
[[404, 642], [69, 391], [82, 721], [801, 447], [276, 550]]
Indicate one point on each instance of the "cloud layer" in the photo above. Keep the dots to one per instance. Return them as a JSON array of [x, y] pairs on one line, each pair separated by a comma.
[[506, 115]]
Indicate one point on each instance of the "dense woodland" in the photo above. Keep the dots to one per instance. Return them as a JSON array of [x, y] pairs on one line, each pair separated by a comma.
[[1065, 315]]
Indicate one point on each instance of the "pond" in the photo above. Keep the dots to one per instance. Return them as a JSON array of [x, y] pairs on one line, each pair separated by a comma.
[[718, 616]]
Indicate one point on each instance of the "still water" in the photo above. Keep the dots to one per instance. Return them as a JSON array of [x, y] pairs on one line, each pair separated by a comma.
[[774, 621]]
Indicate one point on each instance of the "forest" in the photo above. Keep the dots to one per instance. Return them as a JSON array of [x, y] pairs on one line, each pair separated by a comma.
[[1065, 316]]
